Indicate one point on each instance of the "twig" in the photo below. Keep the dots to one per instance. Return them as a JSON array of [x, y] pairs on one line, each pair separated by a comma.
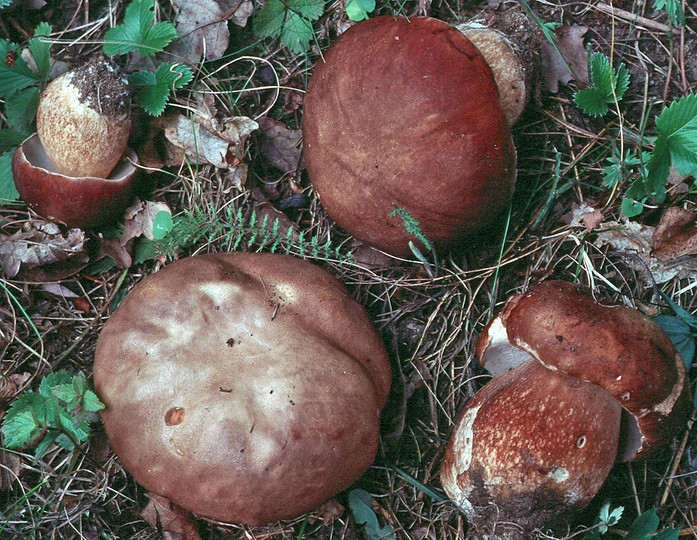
[[631, 17], [676, 460]]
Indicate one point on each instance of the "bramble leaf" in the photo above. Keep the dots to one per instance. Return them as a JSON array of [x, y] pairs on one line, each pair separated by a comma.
[[153, 89], [138, 32], [17, 76], [24, 421], [268, 21], [40, 49], [297, 33]]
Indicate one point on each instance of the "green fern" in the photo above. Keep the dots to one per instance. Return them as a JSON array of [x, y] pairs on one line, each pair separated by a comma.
[[243, 232]]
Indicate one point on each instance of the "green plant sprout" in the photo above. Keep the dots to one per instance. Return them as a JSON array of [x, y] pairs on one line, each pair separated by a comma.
[[290, 20], [644, 527], [173, 235], [606, 86], [139, 32], [673, 9], [60, 412]]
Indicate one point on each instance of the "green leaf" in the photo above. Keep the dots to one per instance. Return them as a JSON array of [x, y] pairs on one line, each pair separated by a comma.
[[309, 9], [137, 32], [53, 380], [5, 3], [21, 107], [90, 402], [631, 208], [673, 9], [46, 443], [601, 73], [644, 527], [162, 224], [24, 421], [153, 89], [268, 21], [668, 534], [591, 101], [357, 10], [360, 503], [17, 77], [621, 81], [8, 190], [40, 49], [677, 129], [297, 33], [680, 333]]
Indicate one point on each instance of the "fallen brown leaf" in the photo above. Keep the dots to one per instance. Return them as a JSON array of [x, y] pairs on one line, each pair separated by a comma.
[[675, 235], [281, 145], [174, 522], [573, 55]]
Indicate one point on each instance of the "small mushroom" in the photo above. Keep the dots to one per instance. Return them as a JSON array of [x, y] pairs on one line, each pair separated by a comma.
[[243, 387], [578, 385], [406, 113], [77, 170]]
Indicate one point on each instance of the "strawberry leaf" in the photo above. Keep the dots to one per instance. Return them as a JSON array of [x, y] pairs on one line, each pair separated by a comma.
[[138, 32], [153, 89]]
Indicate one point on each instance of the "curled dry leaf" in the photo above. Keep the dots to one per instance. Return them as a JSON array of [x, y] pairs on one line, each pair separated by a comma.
[[38, 243], [634, 241], [281, 145], [203, 29], [584, 215], [206, 140], [9, 386], [675, 235], [10, 467], [174, 522], [555, 68]]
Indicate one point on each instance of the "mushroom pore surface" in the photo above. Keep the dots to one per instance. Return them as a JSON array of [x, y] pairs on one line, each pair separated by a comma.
[[243, 387], [406, 114]]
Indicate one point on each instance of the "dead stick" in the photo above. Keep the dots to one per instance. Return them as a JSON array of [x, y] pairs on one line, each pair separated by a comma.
[[631, 17]]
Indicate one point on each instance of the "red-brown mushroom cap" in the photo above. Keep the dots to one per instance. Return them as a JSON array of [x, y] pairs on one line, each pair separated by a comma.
[[74, 201], [532, 447], [406, 113], [243, 387], [615, 347]]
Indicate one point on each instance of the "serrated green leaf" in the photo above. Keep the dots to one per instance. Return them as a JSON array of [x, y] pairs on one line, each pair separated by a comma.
[[309, 9], [591, 101], [5, 3], [659, 164], [357, 10], [40, 49], [24, 421], [677, 115], [631, 208], [153, 89], [8, 191], [644, 527], [46, 443], [601, 73], [673, 9], [621, 81], [17, 77], [53, 380], [268, 21], [21, 107], [137, 32], [90, 402], [64, 392], [297, 33]]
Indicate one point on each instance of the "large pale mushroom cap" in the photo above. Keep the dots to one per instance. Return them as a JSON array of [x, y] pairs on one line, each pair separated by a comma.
[[243, 387]]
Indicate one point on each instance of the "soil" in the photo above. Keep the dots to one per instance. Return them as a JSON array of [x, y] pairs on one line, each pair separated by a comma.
[[102, 87]]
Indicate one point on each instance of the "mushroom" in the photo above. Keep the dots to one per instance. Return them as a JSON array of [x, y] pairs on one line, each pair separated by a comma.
[[406, 114], [77, 169], [244, 387], [578, 385]]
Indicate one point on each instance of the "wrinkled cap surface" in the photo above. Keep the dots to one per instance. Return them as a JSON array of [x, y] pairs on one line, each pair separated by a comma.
[[243, 387], [615, 347], [406, 113], [532, 447]]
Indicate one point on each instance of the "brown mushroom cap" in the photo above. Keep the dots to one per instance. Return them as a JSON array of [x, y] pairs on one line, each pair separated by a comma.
[[243, 387], [532, 447], [615, 347], [76, 202], [406, 113]]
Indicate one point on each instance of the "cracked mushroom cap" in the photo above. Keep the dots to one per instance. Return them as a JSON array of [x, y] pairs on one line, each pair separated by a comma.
[[406, 113], [243, 387], [615, 347], [530, 449]]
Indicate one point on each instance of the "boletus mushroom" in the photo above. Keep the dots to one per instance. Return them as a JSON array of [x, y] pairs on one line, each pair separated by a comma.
[[578, 385], [243, 387], [77, 169], [406, 114]]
